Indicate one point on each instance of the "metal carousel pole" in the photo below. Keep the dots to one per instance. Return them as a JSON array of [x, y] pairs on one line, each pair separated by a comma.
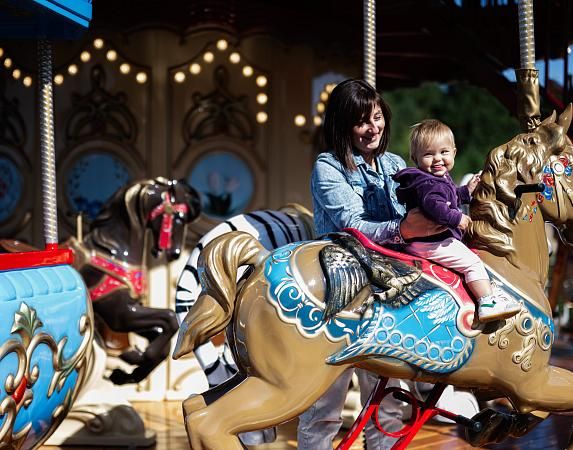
[[528, 102], [369, 28], [47, 144]]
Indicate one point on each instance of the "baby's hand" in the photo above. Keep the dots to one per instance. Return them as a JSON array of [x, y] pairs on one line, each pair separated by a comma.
[[474, 180], [465, 222]]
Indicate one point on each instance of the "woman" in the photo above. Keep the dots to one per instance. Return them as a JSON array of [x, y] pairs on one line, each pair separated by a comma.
[[352, 186]]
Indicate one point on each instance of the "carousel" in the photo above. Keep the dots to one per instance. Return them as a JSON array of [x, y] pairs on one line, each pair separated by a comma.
[[214, 266]]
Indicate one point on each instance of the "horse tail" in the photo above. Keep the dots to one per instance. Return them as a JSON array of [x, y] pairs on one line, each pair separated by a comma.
[[218, 266]]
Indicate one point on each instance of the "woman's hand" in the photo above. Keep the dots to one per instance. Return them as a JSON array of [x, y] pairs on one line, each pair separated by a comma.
[[416, 225]]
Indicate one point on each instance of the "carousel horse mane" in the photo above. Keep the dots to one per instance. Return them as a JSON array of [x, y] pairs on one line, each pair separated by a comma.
[[492, 207]]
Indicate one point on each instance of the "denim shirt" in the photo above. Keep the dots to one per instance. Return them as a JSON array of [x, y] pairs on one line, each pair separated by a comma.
[[364, 199]]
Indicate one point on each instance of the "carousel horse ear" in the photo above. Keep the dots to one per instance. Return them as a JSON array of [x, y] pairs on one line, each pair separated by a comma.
[[565, 118], [550, 119]]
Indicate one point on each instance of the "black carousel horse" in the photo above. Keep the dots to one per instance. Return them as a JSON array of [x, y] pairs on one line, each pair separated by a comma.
[[110, 260]]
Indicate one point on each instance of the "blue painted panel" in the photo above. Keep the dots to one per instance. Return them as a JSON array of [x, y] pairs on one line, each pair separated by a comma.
[[64, 19]]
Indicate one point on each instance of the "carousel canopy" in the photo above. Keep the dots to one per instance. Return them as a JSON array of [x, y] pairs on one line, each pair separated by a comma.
[[416, 40], [64, 19]]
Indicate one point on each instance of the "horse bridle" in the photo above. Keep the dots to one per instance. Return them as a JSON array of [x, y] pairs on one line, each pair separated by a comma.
[[556, 170], [167, 209]]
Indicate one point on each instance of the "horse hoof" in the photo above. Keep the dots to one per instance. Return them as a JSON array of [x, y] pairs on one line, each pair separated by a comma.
[[194, 403], [494, 428], [120, 377]]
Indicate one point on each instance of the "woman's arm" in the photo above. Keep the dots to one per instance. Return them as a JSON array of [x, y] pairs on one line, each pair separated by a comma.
[[345, 207]]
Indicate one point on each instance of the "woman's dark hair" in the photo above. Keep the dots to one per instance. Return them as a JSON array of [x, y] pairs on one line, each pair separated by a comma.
[[351, 102]]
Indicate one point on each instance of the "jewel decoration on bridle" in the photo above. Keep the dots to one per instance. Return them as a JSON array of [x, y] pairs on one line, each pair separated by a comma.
[[167, 209], [554, 187]]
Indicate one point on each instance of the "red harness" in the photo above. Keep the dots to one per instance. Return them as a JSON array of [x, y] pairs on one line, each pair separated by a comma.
[[167, 209], [117, 275]]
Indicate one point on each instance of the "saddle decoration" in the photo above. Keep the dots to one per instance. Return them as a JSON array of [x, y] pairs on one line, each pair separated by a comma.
[[432, 330], [438, 346], [117, 275], [167, 209]]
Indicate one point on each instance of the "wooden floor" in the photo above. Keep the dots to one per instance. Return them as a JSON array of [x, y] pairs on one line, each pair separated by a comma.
[[552, 434]]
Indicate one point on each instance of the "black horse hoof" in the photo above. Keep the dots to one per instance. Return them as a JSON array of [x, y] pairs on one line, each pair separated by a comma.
[[119, 377], [494, 428]]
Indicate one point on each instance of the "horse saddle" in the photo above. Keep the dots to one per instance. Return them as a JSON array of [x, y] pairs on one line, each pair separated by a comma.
[[418, 311]]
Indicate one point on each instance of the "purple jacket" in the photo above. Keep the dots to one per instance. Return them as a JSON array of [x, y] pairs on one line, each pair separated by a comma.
[[437, 197]]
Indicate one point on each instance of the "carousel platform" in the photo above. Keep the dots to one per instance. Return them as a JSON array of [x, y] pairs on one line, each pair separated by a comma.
[[165, 419]]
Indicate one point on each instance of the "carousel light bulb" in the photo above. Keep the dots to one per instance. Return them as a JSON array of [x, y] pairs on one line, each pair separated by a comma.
[[27, 81], [98, 43], [179, 77], [222, 44], [261, 81], [299, 120], [195, 68], [7, 63], [235, 58], [125, 68], [1, 52], [247, 71], [317, 120], [324, 96], [111, 55], [262, 117], [72, 69], [85, 56], [262, 98], [141, 77], [16, 74], [59, 79], [329, 87], [320, 107], [208, 57]]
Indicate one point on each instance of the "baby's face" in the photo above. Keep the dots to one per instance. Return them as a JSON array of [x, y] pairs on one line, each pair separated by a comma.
[[438, 157]]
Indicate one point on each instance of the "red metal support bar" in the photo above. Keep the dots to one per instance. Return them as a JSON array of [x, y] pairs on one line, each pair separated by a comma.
[[52, 256]]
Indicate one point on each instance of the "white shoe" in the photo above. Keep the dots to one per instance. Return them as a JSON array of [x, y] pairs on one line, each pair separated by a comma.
[[496, 307]]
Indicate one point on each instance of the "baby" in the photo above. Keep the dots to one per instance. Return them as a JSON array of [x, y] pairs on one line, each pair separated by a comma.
[[430, 188]]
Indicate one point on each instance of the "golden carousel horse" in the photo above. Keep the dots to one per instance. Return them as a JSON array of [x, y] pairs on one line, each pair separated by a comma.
[[403, 317]]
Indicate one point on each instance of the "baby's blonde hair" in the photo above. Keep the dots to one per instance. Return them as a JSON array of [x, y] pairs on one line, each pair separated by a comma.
[[425, 132]]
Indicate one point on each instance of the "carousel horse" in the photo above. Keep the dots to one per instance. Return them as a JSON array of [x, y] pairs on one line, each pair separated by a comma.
[[309, 310], [110, 257]]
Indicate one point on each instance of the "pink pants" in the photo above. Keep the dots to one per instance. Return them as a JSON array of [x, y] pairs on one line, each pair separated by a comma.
[[452, 254]]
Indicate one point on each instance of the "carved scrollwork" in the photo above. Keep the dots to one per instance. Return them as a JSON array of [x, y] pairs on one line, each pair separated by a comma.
[[218, 113], [534, 333], [19, 386], [100, 114]]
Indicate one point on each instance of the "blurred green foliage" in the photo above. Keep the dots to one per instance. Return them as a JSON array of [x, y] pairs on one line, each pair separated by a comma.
[[479, 121]]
